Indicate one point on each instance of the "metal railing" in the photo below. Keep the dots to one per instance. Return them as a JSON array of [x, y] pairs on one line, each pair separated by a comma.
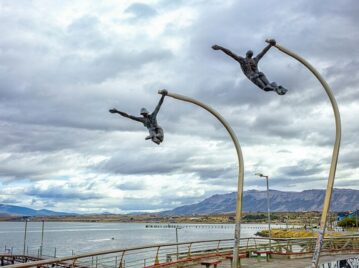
[[193, 252]]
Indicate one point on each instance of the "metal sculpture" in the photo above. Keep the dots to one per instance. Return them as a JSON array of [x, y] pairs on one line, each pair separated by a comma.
[[149, 120], [249, 66]]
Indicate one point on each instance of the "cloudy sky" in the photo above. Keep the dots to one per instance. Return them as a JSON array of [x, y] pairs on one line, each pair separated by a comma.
[[63, 64]]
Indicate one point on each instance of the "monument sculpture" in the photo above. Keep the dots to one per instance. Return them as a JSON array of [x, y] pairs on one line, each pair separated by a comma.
[[249, 66], [149, 120]]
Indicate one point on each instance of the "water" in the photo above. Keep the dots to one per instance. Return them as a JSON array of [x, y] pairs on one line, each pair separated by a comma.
[[76, 237]]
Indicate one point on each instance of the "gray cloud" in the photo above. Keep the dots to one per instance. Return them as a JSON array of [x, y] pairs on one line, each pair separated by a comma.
[[59, 77], [302, 169], [131, 186], [141, 11], [66, 192]]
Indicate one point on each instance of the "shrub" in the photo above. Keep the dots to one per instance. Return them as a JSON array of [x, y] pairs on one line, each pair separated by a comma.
[[347, 222]]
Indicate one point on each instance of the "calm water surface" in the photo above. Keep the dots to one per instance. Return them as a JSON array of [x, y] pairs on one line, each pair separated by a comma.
[[77, 237]]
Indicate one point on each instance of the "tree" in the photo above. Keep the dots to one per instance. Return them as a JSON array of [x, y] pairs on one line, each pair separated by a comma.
[[347, 222]]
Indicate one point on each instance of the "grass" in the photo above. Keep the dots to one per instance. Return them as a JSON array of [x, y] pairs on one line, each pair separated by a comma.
[[293, 233]]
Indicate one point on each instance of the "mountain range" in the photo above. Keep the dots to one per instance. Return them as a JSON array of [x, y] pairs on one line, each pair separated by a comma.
[[253, 201], [256, 201], [6, 210]]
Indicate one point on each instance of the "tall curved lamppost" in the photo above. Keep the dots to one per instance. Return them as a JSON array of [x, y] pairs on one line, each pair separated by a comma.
[[240, 168], [333, 166]]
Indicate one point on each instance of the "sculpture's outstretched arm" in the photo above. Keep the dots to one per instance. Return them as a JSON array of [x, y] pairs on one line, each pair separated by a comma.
[[115, 111], [229, 53], [265, 50], [164, 93]]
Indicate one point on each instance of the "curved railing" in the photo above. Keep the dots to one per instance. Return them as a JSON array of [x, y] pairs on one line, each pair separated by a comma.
[[188, 253]]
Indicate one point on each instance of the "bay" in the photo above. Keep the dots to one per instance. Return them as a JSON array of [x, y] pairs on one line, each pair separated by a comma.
[[67, 238]]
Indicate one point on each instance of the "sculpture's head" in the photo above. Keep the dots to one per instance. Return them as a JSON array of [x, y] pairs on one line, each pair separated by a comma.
[[144, 112], [249, 54]]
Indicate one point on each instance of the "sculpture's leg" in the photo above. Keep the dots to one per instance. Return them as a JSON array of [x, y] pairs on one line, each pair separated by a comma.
[[159, 134], [156, 140], [267, 85], [268, 88], [152, 134], [258, 82], [263, 78]]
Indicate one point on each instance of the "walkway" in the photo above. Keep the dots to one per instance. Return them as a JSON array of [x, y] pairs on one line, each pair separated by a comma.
[[279, 263]]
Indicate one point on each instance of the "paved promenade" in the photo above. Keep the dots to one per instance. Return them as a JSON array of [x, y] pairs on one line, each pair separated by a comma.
[[278, 263]]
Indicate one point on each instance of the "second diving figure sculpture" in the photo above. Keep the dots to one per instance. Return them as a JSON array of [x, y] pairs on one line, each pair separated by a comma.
[[149, 120], [249, 67]]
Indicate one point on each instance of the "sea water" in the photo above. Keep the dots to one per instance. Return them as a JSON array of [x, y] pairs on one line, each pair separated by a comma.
[[68, 238]]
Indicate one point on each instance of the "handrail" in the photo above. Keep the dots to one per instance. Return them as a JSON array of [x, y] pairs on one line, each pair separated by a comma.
[[204, 248]]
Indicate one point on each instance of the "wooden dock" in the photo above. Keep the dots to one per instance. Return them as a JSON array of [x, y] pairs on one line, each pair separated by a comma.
[[8, 259]]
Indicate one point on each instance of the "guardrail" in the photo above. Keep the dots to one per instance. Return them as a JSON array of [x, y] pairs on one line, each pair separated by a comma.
[[167, 255]]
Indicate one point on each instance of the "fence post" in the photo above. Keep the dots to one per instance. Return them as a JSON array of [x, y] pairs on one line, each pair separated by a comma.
[[157, 261], [73, 263], [120, 265], [189, 250]]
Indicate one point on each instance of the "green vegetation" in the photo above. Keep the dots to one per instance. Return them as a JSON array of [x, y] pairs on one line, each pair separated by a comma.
[[286, 233], [258, 217], [293, 233], [348, 222]]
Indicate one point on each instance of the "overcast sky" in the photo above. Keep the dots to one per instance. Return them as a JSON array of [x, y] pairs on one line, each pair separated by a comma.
[[64, 64]]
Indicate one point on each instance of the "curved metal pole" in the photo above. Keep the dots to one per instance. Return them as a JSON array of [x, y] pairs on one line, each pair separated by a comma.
[[240, 169], [333, 166]]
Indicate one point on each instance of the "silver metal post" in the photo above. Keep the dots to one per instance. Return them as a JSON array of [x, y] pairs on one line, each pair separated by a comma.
[[268, 211], [269, 220], [42, 237], [25, 232], [333, 165], [236, 260], [177, 242]]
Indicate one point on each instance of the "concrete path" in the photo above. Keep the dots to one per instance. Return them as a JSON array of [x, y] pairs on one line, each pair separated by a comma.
[[278, 263]]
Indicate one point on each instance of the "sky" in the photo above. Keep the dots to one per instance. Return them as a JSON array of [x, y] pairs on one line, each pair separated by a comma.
[[64, 64]]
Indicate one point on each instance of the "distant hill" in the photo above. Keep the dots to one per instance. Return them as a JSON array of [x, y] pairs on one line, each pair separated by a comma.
[[253, 201], [8, 210], [256, 201]]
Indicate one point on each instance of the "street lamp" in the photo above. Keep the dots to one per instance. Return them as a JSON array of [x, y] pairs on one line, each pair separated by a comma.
[[240, 168], [333, 165], [268, 209]]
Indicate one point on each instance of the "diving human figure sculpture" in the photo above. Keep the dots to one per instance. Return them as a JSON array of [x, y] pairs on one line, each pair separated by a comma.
[[249, 67], [149, 120]]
